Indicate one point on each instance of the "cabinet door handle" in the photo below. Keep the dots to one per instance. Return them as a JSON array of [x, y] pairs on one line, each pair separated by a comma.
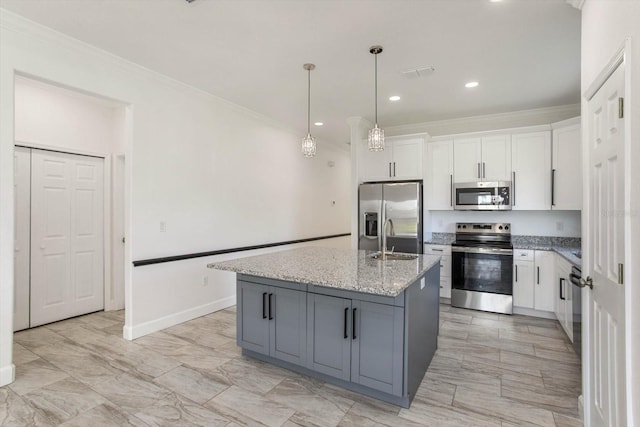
[[553, 187], [353, 324], [437, 250], [479, 170], [538, 275], [394, 169], [561, 288], [390, 170], [346, 315], [484, 175], [264, 305], [451, 190], [516, 273], [270, 307]]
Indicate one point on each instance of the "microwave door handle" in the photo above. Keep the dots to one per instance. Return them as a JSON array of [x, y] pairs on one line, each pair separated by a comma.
[[553, 187], [451, 189], [513, 188]]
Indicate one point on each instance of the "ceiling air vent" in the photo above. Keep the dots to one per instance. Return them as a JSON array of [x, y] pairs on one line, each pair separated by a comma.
[[414, 73]]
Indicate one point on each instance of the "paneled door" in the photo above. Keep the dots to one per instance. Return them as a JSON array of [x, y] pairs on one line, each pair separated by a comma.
[[67, 263], [606, 235]]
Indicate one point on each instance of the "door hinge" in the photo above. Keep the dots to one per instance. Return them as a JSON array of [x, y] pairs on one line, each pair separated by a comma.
[[620, 108], [620, 274]]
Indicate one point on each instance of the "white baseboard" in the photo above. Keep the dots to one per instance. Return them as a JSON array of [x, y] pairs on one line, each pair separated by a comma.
[[7, 374], [534, 313], [137, 331]]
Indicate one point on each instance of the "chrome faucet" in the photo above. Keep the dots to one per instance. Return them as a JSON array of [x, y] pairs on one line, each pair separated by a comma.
[[384, 237]]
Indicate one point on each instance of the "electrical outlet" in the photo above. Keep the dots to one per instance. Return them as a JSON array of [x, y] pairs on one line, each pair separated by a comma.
[[559, 226], [205, 281], [163, 227]]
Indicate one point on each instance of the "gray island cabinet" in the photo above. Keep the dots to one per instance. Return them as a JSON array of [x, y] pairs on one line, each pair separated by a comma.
[[365, 324]]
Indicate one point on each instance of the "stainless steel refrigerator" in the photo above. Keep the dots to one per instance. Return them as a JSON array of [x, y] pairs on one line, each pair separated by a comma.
[[398, 202]]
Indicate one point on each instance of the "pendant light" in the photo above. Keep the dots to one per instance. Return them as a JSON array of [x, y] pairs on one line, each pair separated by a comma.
[[309, 142], [376, 135]]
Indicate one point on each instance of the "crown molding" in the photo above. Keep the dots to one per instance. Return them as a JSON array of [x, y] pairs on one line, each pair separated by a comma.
[[487, 122], [576, 3], [18, 24]]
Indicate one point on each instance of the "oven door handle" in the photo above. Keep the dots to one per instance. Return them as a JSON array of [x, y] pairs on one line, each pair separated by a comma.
[[489, 251]]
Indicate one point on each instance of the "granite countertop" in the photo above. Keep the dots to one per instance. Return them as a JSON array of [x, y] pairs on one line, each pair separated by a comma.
[[441, 239], [565, 246], [345, 269]]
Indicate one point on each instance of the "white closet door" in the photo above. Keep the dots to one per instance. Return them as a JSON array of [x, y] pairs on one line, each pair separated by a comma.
[[21, 256], [67, 262]]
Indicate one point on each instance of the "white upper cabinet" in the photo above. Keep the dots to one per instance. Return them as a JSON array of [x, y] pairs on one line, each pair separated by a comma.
[[496, 158], [467, 155], [407, 158], [482, 159], [531, 177], [438, 175], [376, 165], [567, 168], [401, 159]]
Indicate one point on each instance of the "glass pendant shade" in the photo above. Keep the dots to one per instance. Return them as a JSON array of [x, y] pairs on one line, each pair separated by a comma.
[[376, 139], [308, 146]]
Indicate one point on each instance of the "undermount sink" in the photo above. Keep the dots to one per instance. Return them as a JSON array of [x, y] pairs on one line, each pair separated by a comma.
[[393, 256]]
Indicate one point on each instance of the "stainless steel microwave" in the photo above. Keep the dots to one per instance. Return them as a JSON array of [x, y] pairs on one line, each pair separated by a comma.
[[482, 196]]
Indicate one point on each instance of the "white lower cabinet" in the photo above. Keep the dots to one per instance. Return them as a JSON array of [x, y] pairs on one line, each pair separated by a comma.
[[533, 279], [444, 252], [523, 290], [563, 298], [543, 295]]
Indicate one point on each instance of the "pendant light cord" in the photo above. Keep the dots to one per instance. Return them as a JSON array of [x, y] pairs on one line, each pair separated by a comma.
[[309, 102], [376, 87]]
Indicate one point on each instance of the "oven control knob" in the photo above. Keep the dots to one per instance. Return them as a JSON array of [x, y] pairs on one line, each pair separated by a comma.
[[464, 226], [500, 227], [506, 227], [458, 225]]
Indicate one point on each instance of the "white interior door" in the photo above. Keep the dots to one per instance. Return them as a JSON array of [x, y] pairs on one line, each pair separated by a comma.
[[605, 225], [22, 256], [67, 262]]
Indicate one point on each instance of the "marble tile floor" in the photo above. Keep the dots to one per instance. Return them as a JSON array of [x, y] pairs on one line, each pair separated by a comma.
[[489, 370]]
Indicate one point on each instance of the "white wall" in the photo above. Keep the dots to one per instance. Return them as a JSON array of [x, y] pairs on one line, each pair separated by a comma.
[[58, 118], [217, 174], [523, 223], [605, 25]]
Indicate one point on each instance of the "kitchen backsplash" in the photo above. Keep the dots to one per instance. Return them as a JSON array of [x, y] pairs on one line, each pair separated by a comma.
[[523, 223]]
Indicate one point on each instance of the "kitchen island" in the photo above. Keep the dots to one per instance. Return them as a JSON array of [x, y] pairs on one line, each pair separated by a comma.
[[344, 316]]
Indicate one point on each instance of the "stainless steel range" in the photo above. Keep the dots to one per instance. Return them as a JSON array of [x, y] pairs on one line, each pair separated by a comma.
[[482, 267]]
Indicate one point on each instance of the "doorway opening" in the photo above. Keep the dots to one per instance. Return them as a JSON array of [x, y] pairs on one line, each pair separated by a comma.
[[69, 203]]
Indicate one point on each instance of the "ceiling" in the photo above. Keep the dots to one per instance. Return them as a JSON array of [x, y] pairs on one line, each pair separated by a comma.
[[524, 53]]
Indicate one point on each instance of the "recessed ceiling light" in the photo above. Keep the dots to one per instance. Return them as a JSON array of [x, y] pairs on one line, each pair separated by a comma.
[[394, 98], [471, 84], [318, 123], [492, 1]]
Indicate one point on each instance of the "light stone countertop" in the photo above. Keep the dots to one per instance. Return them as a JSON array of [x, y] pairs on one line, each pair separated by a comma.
[[345, 269]]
